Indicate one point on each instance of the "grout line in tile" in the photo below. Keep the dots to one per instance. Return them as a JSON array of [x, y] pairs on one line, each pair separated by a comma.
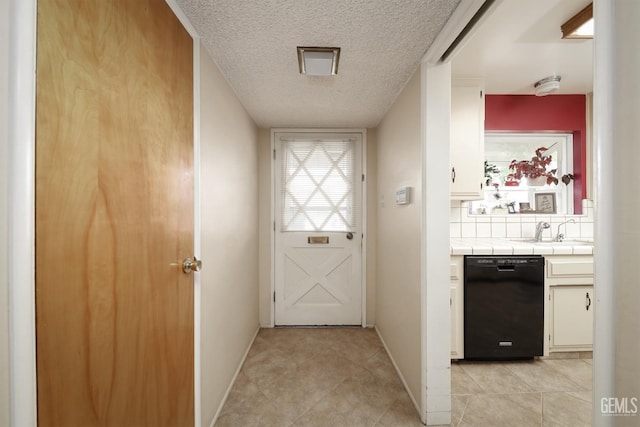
[[464, 410], [375, 423], [318, 401], [578, 386], [541, 409]]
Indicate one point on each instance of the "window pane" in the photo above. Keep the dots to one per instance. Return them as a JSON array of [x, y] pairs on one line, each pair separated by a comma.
[[317, 191], [501, 149]]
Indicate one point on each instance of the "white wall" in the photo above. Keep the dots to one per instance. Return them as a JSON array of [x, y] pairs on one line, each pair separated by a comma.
[[436, 345], [229, 195], [626, 184], [4, 136], [399, 234], [616, 110]]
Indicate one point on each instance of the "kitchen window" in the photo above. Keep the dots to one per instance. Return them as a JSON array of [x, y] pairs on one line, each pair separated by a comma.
[[502, 195]]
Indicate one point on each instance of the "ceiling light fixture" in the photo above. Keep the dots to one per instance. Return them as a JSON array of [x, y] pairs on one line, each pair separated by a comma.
[[547, 85], [318, 61], [579, 26]]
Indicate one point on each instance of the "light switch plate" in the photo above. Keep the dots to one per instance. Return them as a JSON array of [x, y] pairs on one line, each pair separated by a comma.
[[403, 196]]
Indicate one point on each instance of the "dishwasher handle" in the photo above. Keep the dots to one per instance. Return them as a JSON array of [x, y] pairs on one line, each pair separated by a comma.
[[506, 267]]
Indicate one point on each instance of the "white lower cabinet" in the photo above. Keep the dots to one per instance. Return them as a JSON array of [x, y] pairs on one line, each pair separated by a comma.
[[456, 302], [570, 300], [571, 317]]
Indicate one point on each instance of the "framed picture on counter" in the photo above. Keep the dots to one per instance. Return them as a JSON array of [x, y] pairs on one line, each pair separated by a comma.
[[545, 203]]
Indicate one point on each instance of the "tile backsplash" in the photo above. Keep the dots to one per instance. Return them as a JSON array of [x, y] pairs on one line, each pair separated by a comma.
[[517, 226]]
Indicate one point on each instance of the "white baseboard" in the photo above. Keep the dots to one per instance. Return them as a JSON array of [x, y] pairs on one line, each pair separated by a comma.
[[233, 380], [404, 383]]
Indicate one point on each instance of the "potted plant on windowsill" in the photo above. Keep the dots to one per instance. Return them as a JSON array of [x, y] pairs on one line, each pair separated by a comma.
[[535, 169], [567, 177], [489, 171], [511, 182]]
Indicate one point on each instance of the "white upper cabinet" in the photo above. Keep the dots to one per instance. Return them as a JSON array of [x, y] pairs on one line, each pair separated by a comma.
[[467, 139]]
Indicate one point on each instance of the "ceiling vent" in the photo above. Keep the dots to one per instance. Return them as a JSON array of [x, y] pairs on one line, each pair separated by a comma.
[[318, 61], [547, 85]]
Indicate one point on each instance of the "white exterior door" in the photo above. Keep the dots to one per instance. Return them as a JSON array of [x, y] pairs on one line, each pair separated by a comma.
[[318, 233]]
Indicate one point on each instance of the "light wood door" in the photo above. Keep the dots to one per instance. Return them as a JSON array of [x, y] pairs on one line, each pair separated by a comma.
[[318, 278], [114, 214]]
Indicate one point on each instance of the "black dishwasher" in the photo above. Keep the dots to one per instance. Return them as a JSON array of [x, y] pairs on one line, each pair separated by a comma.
[[503, 307]]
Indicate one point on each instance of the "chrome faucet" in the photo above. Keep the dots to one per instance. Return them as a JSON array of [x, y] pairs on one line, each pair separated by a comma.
[[560, 236], [539, 227]]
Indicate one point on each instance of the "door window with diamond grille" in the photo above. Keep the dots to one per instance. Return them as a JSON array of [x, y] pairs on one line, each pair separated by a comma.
[[317, 185]]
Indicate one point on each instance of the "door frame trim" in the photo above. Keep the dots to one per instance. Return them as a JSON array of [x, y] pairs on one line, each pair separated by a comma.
[[272, 243], [21, 212], [23, 404]]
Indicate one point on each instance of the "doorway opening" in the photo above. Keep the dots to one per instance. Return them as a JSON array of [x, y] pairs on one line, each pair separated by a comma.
[[318, 228]]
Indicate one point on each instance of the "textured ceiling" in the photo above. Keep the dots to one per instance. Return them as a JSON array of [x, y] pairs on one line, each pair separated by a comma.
[[254, 44]]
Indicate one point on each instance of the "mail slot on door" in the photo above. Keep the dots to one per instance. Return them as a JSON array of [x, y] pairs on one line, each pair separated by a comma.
[[318, 239]]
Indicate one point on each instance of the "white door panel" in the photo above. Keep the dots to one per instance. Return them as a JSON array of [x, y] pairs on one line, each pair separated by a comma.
[[318, 283], [318, 279]]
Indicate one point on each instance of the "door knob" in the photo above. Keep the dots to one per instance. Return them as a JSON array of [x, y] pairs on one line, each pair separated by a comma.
[[189, 265]]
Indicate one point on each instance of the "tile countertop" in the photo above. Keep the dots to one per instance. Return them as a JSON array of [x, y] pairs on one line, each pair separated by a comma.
[[520, 247]]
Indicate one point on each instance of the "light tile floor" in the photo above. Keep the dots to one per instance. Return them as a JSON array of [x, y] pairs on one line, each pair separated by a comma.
[[335, 377], [547, 392]]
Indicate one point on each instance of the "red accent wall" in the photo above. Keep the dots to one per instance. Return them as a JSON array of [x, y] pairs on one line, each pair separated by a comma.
[[553, 113]]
